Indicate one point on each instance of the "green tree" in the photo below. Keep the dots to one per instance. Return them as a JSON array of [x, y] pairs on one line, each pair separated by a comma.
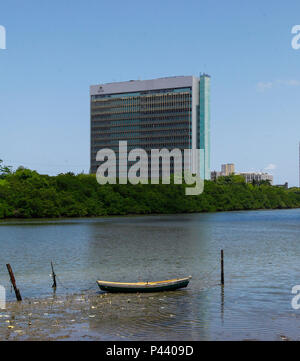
[[4, 169]]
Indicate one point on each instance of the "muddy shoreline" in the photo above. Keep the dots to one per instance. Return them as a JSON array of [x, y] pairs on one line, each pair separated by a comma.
[[100, 316]]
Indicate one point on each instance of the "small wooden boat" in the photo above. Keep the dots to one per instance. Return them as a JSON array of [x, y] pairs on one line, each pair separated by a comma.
[[168, 285]]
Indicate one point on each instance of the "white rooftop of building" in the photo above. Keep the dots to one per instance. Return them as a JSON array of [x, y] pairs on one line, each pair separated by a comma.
[[143, 85]]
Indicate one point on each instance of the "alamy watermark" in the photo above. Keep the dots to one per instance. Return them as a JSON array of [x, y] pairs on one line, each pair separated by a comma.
[[2, 298], [2, 37], [186, 164], [295, 300], [296, 38]]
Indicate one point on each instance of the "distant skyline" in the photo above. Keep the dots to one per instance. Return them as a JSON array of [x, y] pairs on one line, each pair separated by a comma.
[[56, 50]]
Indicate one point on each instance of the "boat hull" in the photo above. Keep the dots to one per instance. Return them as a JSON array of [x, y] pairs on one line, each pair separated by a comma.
[[142, 287]]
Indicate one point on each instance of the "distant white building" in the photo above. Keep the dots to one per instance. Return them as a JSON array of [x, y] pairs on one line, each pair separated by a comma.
[[228, 169], [256, 176]]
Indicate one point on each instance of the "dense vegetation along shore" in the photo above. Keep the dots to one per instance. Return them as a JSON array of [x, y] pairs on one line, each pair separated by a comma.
[[27, 194]]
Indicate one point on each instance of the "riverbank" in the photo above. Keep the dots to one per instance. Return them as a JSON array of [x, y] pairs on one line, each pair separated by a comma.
[[27, 194]]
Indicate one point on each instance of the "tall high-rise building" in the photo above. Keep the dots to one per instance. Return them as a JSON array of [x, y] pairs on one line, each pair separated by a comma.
[[160, 113]]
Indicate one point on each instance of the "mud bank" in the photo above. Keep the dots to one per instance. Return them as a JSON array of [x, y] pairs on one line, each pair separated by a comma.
[[83, 317]]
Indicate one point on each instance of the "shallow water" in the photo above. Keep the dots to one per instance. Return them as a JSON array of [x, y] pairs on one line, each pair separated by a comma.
[[261, 266]]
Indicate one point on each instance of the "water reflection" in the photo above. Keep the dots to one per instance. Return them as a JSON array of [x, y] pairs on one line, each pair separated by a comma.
[[261, 256], [222, 303], [157, 316]]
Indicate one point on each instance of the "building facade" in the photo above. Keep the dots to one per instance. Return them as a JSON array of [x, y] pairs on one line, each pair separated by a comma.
[[227, 169], [161, 113], [257, 177]]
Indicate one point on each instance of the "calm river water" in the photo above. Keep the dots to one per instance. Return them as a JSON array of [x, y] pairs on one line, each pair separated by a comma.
[[262, 264]]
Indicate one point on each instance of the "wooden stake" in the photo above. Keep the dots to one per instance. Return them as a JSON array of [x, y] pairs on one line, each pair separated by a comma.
[[53, 276], [13, 282], [222, 267]]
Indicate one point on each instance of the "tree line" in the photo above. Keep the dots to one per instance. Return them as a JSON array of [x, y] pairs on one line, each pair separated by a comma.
[[25, 193]]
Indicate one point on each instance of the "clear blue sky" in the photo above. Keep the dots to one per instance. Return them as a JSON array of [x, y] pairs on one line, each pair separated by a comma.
[[56, 49]]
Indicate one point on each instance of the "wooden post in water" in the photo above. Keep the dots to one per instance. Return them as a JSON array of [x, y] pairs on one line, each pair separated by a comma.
[[222, 267], [53, 276], [13, 282]]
